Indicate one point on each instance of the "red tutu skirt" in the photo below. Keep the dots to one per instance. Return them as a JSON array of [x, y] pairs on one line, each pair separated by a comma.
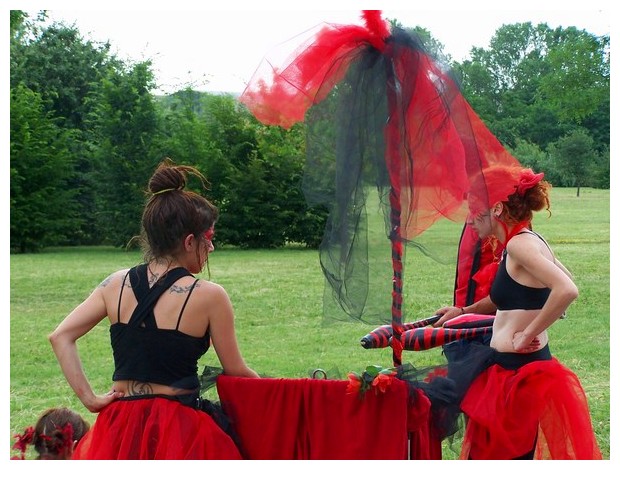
[[540, 405], [155, 429]]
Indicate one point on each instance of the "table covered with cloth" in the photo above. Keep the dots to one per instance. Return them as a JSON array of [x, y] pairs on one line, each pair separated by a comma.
[[316, 419]]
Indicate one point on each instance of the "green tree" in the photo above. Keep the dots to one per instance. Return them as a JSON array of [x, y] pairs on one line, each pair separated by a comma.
[[537, 84], [124, 123], [576, 157], [255, 171], [530, 155], [265, 206], [43, 210], [501, 83], [577, 81], [65, 70], [232, 131], [188, 138], [601, 171], [284, 153]]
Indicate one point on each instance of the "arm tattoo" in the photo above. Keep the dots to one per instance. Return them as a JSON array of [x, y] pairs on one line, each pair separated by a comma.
[[140, 388], [106, 282]]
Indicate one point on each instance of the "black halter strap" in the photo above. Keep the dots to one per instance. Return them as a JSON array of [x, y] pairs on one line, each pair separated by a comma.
[[148, 296]]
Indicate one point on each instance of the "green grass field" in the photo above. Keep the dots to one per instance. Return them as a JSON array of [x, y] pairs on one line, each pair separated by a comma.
[[278, 297]]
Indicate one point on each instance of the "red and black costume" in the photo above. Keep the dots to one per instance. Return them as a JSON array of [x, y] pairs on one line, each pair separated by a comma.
[[524, 406], [156, 427]]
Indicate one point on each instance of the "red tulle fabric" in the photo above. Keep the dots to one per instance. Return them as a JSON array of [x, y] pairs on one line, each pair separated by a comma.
[[421, 125], [284, 99], [466, 271], [507, 408], [528, 180], [382, 113], [484, 278], [281, 95], [154, 429]]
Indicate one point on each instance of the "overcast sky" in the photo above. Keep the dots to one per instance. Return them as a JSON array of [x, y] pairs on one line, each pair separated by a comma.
[[218, 49]]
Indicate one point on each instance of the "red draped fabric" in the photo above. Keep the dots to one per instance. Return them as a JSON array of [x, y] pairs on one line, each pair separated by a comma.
[[308, 419], [430, 120]]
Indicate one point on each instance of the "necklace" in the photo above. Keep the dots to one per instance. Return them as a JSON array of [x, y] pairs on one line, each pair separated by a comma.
[[153, 277]]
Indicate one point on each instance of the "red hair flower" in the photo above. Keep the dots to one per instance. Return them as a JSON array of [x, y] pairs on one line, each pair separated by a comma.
[[527, 180], [65, 447], [22, 443]]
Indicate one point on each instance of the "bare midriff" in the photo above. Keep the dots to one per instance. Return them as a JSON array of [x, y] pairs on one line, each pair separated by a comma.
[[131, 388], [507, 323]]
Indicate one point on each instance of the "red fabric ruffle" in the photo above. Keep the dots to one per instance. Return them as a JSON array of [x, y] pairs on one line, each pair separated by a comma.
[[155, 429], [506, 409]]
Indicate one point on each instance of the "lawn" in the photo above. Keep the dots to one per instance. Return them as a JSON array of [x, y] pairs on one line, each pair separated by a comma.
[[278, 295]]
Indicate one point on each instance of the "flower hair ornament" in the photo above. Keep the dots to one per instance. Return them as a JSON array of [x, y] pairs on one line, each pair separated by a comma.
[[527, 180], [61, 441], [22, 443]]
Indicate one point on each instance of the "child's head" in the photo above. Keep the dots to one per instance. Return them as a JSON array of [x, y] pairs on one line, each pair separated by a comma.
[[55, 434]]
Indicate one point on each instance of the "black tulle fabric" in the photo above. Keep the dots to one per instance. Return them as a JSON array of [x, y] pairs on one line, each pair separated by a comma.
[[346, 170], [392, 148]]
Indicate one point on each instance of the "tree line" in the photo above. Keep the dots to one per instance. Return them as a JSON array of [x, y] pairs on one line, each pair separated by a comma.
[[87, 132]]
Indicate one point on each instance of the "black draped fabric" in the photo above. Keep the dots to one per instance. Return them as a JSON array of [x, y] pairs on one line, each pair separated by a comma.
[[392, 148]]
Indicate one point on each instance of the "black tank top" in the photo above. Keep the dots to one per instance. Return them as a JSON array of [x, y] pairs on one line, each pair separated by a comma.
[[507, 294], [146, 353]]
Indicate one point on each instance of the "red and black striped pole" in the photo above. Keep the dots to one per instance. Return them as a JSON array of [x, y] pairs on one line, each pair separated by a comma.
[[381, 336], [425, 338]]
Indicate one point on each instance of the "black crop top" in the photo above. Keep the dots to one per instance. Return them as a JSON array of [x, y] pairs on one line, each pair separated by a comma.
[[507, 294], [146, 353]]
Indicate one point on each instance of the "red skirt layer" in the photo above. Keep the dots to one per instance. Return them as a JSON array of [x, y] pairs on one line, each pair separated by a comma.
[[155, 429], [541, 403]]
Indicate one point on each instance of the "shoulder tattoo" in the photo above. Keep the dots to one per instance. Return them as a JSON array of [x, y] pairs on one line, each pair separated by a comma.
[[106, 282], [109, 279], [177, 289]]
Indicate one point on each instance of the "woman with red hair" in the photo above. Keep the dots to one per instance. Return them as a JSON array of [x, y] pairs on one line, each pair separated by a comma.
[[522, 403]]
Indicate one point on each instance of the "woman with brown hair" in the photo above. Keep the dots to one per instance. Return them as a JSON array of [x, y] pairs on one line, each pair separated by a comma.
[[162, 321]]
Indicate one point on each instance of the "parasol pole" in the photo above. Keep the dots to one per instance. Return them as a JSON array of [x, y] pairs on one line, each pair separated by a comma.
[[393, 144]]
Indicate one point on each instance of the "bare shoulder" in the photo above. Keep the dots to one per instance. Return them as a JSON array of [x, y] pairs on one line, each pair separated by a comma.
[[529, 251], [212, 299], [114, 279], [524, 243], [211, 289]]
